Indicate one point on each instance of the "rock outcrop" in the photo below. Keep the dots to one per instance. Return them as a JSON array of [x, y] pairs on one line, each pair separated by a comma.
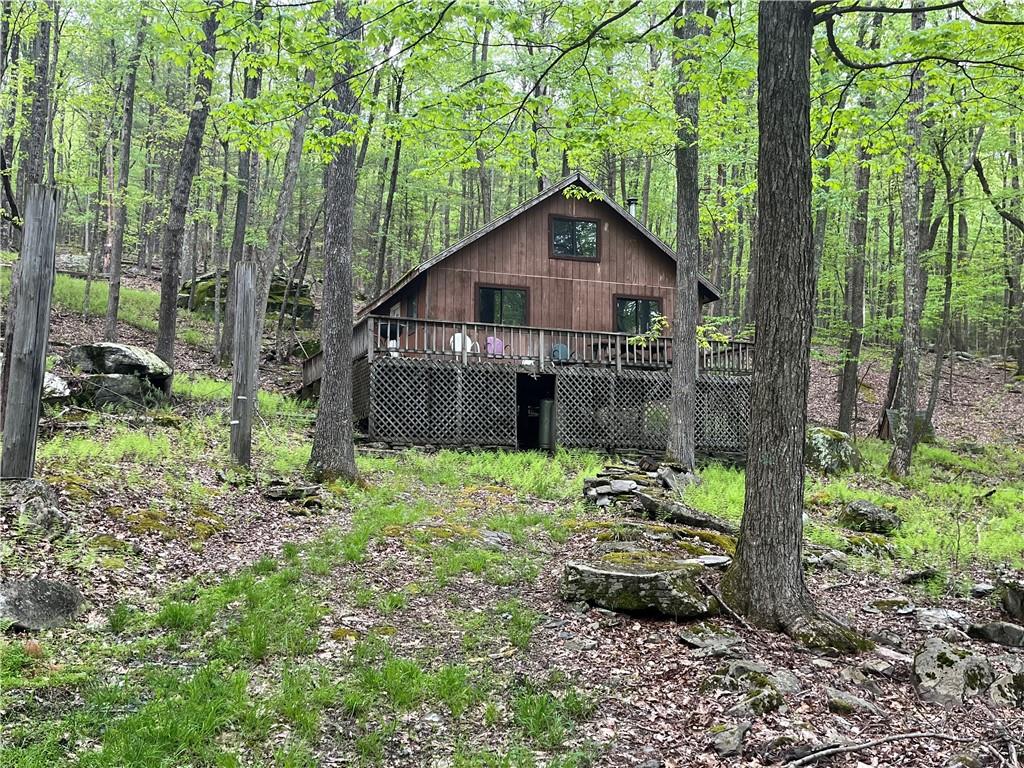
[[1000, 632], [830, 451], [116, 374], [948, 674], [863, 516]]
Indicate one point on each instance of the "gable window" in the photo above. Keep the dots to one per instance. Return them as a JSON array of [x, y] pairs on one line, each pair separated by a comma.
[[574, 238], [501, 306], [634, 315]]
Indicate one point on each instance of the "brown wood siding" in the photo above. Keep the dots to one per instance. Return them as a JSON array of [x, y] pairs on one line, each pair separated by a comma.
[[564, 293]]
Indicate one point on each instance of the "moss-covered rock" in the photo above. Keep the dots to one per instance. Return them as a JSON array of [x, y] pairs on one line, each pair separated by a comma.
[[830, 451], [862, 515], [947, 674]]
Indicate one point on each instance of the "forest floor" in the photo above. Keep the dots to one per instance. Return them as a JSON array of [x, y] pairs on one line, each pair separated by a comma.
[[413, 619]]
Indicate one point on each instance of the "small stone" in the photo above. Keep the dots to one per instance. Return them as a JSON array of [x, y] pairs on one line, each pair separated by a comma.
[[54, 387], [728, 741], [822, 663], [278, 490], [877, 667], [893, 604], [1001, 632], [859, 678], [917, 577], [982, 589], [603, 490], [830, 451], [634, 587], [709, 561], [785, 681], [948, 674], [34, 604], [499, 541], [623, 486], [843, 703], [603, 501], [833, 559]]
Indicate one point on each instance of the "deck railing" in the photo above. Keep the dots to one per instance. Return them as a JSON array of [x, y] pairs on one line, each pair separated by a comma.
[[538, 347]]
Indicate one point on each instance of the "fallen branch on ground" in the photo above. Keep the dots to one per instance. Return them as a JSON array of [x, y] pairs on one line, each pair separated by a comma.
[[830, 751]]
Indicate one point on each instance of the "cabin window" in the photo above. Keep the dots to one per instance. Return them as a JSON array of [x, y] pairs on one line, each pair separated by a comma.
[[502, 306], [574, 238], [635, 316]]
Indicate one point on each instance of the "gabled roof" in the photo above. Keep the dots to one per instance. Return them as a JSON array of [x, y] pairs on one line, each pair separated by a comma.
[[578, 179]]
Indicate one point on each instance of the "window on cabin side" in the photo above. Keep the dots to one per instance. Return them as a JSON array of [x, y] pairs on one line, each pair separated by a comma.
[[574, 238], [502, 306], [635, 316]]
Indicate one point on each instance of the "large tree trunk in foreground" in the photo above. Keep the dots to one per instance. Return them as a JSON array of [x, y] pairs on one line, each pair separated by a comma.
[[687, 300], [333, 453], [905, 428], [766, 579], [121, 215], [174, 229]]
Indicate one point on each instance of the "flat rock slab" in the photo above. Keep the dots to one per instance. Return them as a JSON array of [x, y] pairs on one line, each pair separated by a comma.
[[34, 604], [673, 593], [863, 516], [1001, 632], [673, 512], [107, 357], [948, 674]]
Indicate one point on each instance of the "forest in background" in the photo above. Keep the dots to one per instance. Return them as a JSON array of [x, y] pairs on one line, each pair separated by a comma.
[[467, 109]]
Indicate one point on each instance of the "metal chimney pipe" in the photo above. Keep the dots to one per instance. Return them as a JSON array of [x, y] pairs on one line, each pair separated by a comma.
[[631, 205]]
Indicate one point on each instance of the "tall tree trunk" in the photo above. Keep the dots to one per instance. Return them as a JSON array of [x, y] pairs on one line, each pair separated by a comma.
[[766, 580], [284, 203], [124, 157], [481, 156], [855, 290], [188, 162], [942, 343], [333, 454], [382, 243], [905, 428], [687, 300]]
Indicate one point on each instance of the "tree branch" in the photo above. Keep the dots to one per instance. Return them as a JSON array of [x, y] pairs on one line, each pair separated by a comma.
[[830, 751], [1007, 216]]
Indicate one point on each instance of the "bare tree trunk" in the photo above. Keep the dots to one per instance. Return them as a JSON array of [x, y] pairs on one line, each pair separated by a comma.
[[905, 428], [284, 204], [766, 580], [687, 300], [855, 290], [369, 122], [942, 342], [333, 453], [170, 247], [382, 242], [481, 156], [121, 216]]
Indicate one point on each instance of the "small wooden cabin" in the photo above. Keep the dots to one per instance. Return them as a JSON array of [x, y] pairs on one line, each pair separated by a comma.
[[526, 334]]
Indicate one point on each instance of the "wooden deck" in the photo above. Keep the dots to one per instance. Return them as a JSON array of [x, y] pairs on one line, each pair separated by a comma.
[[530, 348]]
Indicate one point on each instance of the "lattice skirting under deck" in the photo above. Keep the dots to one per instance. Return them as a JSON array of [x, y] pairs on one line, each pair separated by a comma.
[[437, 402]]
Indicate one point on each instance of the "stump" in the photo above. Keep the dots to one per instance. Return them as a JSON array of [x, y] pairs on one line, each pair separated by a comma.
[[669, 591]]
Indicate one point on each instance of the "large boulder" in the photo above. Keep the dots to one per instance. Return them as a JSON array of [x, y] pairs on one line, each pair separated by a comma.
[[34, 604], [947, 674], [830, 451], [1013, 599], [108, 357], [862, 515], [116, 389], [669, 590], [1001, 632]]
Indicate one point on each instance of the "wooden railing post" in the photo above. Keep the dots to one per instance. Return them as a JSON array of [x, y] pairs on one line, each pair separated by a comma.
[[371, 339], [464, 344], [619, 342], [27, 363], [246, 343], [540, 356]]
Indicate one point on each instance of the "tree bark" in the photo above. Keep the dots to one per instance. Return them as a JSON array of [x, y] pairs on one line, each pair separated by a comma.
[[688, 249], [905, 431], [766, 581], [124, 158], [942, 342], [170, 246], [333, 454]]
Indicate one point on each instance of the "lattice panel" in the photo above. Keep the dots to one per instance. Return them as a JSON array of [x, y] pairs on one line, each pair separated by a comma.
[[429, 402], [612, 410], [723, 411], [360, 389]]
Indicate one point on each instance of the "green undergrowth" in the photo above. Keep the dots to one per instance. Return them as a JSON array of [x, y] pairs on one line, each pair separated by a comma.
[[960, 504], [137, 308]]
